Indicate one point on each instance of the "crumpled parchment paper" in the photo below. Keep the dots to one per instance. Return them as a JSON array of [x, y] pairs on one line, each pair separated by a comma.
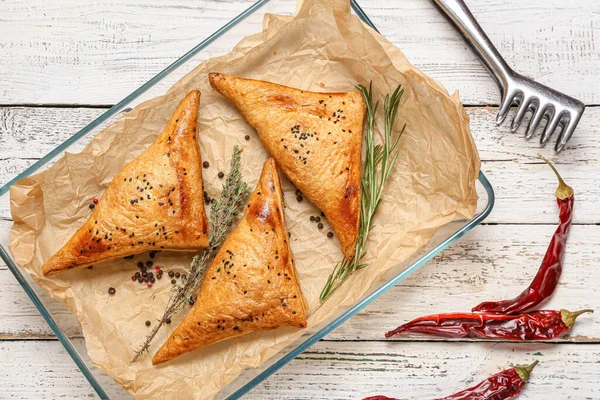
[[322, 48]]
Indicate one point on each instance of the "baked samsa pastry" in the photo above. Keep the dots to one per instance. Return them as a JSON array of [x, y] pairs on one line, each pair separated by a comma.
[[251, 285], [155, 202], [316, 140]]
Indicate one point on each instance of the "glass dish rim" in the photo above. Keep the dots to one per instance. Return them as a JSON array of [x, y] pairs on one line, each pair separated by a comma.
[[315, 337]]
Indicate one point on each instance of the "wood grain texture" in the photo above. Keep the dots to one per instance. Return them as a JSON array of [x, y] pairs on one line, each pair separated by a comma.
[[95, 53], [489, 263], [509, 160], [345, 370], [342, 370], [110, 48], [40, 370]]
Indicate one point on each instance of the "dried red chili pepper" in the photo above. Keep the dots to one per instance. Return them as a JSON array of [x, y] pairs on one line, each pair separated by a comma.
[[548, 274], [536, 325], [501, 386]]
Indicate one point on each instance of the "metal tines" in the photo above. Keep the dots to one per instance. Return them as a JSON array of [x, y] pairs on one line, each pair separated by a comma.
[[544, 102]]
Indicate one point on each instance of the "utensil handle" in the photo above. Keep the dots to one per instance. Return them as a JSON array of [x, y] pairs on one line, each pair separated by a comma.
[[457, 12]]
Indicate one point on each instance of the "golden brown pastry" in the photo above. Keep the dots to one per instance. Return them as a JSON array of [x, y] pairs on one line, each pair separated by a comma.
[[251, 284], [155, 202], [316, 140]]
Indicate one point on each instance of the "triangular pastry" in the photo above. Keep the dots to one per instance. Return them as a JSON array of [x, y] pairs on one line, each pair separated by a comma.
[[155, 202], [251, 285], [316, 140]]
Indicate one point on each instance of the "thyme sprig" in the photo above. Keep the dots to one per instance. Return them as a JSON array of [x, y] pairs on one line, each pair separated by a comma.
[[379, 161], [223, 212]]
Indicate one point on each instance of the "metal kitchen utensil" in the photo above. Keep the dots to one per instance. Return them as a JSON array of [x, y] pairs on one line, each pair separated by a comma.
[[63, 322], [558, 108]]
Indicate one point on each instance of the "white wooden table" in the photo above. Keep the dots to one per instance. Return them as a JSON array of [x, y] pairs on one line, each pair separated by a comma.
[[63, 62]]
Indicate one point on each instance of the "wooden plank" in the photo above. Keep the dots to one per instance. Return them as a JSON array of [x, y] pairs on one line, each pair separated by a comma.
[[342, 370], [28, 133], [40, 370], [537, 38], [339, 370], [70, 53], [489, 263]]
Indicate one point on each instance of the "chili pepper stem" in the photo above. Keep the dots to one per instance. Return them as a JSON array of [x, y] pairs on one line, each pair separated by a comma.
[[569, 317], [563, 191], [525, 370]]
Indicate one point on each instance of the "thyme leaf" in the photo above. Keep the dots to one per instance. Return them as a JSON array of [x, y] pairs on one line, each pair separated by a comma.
[[223, 213]]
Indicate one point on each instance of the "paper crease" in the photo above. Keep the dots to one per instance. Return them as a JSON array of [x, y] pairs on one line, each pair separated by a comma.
[[323, 48]]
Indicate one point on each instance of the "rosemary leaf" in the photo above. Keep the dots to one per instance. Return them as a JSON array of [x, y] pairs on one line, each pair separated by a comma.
[[378, 164], [223, 212]]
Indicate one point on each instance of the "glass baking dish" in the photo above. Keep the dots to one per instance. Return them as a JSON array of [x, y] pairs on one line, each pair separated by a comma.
[[63, 323]]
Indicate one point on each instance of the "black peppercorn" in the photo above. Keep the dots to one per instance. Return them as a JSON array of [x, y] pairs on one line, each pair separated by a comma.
[[159, 275], [140, 264], [144, 269], [149, 264], [92, 206], [205, 164], [133, 278], [322, 214], [173, 281], [152, 254], [183, 276], [318, 219], [329, 235], [312, 218], [220, 175], [299, 198], [247, 137], [144, 274], [137, 275], [148, 323], [152, 279], [111, 290], [320, 226], [171, 274], [168, 321], [146, 279], [140, 279], [177, 275]]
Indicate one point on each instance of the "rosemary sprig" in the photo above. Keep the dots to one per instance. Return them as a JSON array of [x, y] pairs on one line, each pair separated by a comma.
[[378, 164], [222, 214]]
